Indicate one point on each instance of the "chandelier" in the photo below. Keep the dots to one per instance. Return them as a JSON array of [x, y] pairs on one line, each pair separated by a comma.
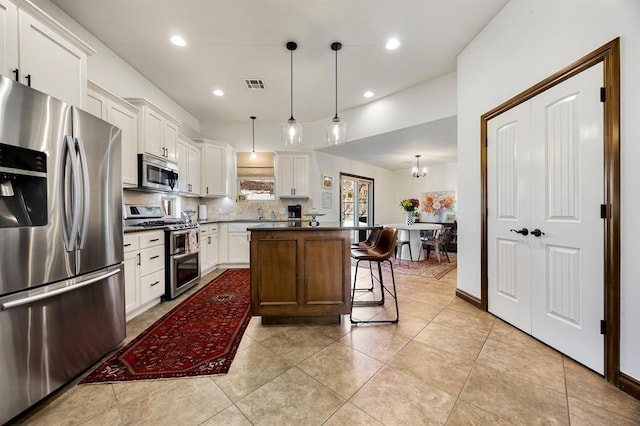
[[416, 172]]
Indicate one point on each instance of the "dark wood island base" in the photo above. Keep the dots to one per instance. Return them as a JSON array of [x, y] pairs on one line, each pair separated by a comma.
[[300, 274]]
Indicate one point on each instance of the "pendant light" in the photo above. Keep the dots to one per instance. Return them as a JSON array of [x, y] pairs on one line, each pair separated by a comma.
[[337, 128], [291, 130], [253, 131], [415, 170]]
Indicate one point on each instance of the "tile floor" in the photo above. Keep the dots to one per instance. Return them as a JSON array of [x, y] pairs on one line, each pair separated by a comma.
[[445, 362]]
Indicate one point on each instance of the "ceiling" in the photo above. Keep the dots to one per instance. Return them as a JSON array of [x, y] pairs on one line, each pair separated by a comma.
[[229, 41]]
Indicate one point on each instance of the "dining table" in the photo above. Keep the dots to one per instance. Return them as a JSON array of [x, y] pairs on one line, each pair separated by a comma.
[[411, 233]]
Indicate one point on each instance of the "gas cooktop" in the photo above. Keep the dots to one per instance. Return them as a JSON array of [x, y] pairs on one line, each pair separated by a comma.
[[153, 217]]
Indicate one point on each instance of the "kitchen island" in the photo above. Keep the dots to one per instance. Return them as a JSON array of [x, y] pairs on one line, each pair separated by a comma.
[[301, 273]]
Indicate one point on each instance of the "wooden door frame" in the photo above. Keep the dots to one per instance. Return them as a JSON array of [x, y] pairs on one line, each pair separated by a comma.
[[609, 55]]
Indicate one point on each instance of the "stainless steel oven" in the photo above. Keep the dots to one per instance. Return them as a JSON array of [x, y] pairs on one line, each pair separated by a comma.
[[182, 258]]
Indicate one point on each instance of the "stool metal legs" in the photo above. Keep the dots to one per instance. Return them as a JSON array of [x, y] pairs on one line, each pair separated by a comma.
[[393, 294]]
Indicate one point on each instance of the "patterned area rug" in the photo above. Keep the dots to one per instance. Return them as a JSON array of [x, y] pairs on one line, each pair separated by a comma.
[[198, 337], [430, 268]]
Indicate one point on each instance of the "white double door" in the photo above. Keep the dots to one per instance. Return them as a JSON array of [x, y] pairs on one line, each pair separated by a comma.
[[545, 173]]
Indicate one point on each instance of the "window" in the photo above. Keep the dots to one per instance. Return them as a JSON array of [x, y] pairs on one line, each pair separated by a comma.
[[255, 176]]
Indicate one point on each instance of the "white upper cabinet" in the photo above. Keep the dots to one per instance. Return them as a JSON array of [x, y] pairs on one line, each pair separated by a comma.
[[8, 38], [188, 159], [104, 104], [38, 52], [292, 174], [215, 168], [157, 130], [195, 170]]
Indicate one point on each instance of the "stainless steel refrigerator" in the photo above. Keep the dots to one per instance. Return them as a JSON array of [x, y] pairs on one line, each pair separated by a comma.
[[61, 276]]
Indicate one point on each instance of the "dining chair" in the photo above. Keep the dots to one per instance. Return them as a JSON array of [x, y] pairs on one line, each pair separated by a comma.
[[399, 244], [382, 252], [438, 243]]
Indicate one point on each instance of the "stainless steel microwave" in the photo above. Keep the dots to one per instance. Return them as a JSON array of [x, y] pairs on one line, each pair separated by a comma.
[[157, 174]]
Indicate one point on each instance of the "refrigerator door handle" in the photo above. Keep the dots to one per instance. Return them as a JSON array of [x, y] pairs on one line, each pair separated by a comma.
[[70, 234], [85, 193], [30, 299]]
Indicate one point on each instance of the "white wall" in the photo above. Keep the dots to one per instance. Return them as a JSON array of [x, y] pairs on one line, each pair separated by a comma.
[[425, 102], [443, 177], [525, 43], [111, 72]]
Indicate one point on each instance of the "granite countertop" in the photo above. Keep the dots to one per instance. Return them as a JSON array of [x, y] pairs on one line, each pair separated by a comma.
[[205, 222], [304, 226]]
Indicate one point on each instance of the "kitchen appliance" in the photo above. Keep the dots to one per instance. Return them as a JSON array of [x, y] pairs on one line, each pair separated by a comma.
[[157, 173], [202, 212], [295, 214], [61, 279], [182, 246]]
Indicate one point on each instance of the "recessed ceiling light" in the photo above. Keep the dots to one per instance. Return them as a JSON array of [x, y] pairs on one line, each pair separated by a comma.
[[178, 41], [368, 94], [218, 92], [392, 44]]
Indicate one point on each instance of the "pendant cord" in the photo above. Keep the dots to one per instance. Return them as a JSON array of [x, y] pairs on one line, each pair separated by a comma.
[[253, 133], [336, 83], [291, 84]]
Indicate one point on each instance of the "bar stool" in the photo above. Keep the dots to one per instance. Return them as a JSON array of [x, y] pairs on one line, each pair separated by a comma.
[[382, 252], [369, 243]]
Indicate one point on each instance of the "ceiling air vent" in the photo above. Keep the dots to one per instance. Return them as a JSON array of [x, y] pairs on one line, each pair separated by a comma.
[[254, 83]]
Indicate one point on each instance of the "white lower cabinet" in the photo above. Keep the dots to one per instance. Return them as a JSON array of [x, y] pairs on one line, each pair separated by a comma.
[[239, 242], [208, 248], [144, 275]]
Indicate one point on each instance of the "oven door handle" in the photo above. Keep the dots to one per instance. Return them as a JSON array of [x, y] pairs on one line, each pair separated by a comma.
[[182, 256]]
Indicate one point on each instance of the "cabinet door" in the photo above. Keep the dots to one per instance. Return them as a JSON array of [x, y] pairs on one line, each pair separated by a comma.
[[238, 247], [96, 104], [52, 64], [131, 281], [152, 133], [286, 183], [214, 170], [301, 175], [126, 118], [182, 153], [213, 249], [193, 167], [170, 139], [9, 37]]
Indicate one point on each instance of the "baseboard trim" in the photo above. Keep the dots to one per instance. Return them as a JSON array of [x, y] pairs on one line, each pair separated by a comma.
[[629, 385], [469, 298]]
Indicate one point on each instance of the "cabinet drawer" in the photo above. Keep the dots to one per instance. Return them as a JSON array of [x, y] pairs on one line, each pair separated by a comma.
[[151, 260], [131, 242], [151, 286], [151, 239]]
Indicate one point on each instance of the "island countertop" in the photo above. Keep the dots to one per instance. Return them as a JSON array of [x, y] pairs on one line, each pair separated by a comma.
[[304, 226]]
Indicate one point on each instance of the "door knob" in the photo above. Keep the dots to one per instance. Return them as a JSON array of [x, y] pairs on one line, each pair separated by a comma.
[[536, 232], [523, 231]]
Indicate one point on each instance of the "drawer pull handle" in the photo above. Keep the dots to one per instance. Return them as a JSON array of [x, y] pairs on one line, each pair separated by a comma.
[[154, 257], [154, 240], [127, 245], [156, 283]]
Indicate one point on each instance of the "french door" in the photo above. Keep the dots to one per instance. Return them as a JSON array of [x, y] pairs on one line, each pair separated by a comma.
[[545, 179], [356, 203]]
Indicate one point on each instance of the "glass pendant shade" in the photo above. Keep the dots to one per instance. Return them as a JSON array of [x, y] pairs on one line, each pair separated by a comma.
[[291, 130], [337, 128], [292, 133], [336, 131]]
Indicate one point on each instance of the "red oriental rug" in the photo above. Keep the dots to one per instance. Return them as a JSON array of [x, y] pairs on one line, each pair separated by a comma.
[[198, 337], [426, 268]]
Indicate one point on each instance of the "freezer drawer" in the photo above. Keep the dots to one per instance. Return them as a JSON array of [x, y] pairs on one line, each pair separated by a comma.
[[52, 334]]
